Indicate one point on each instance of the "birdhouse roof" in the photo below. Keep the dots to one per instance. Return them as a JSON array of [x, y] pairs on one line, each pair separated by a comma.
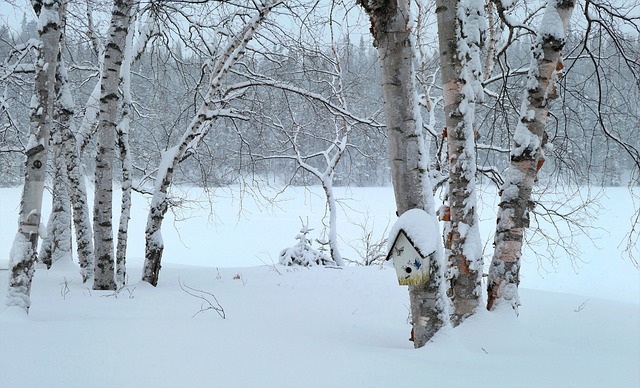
[[420, 228]]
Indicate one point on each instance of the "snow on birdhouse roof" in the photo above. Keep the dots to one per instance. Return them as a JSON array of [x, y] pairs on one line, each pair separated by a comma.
[[421, 229]]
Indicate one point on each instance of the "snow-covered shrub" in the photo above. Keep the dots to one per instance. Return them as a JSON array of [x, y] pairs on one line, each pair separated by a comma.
[[303, 253]]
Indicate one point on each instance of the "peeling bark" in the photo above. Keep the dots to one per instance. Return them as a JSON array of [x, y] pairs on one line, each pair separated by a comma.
[[459, 31]]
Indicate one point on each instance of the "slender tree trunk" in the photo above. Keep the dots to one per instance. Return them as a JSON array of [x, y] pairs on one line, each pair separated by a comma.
[[409, 157], [77, 187], [109, 103], [198, 128], [57, 244], [125, 208], [23, 252], [459, 31], [125, 159], [526, 152], [327, 185], [91, 112]]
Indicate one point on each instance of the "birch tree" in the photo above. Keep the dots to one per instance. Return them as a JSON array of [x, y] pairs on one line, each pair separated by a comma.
[[461, 25], [135, 45], [75, 178], [57, 244], [24, 249], [526, 153], [107, 122], [392, 31], [210, 109]]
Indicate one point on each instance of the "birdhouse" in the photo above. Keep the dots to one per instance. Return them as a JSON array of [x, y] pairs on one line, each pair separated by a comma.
[[412, 267]]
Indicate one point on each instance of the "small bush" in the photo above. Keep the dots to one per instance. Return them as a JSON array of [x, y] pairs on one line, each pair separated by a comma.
[[303, 253]]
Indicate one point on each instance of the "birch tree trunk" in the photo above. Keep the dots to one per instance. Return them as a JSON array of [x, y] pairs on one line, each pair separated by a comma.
[[460, 25], [75, 177], [23, 252], [327, 186], [109, 104], [198, 128], [390, 25], [57, 243], [526, 152], [125, 159]]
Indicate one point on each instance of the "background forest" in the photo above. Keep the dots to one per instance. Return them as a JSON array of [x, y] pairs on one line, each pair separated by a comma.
[[301, 47]]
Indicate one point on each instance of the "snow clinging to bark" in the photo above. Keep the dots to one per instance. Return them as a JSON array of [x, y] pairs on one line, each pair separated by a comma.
[[553, 24], [21, 249], [471, 30], [47, 17]]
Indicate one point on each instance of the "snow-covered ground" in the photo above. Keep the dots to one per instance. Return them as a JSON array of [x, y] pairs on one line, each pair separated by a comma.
[[579, 324]]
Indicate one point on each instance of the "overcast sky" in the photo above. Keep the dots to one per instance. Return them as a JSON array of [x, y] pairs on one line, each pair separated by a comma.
[[11, 15]]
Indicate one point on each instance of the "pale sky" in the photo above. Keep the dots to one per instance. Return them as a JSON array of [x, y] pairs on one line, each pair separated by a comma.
[[12, 15]]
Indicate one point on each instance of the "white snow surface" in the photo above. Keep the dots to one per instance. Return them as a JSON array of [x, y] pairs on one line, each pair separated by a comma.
[[579, 323]]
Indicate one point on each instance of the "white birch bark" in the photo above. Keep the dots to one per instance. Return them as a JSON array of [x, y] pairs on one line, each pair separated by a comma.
[[90, 118], [460, 27], [334, 249], [526, 152], [92, 107], [391, 28], [104, 276], [125, 159], [196, 130], [77, 187], [76, 183], [57, 245], [23, 252]]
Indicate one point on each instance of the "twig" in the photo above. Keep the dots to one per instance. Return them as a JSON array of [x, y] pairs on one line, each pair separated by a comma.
[[206, 300], [582, 306]]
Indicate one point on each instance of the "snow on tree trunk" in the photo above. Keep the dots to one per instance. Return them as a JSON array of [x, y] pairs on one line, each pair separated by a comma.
[[327, 186], [90, 118], [77, 188], [57, 244], [390, 25], [23, 252], [526, 152], [196, 130], [460, 27], [125, 159], [109, 103], [332, 156]]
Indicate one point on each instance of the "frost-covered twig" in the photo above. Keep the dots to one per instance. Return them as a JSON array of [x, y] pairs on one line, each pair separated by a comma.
[[209, 301]]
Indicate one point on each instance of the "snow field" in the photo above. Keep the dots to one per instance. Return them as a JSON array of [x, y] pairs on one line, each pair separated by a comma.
[[298, 327]]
